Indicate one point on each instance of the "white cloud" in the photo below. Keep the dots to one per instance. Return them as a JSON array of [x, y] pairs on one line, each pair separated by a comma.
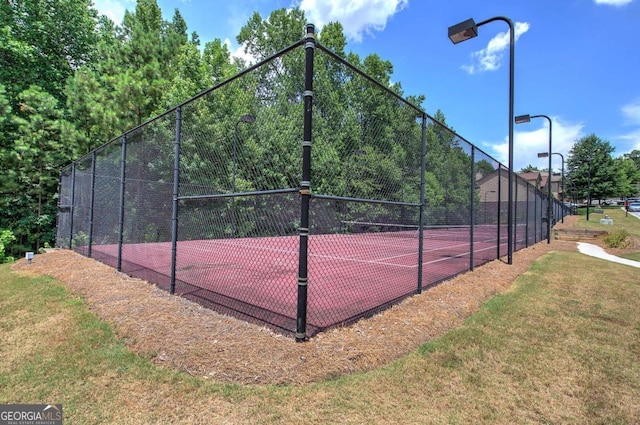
[[631, 115], [631, 139], [114, 9], [631, 112], [239, 53], [616, 3], [358, 17], [527, 144], [490, 58]]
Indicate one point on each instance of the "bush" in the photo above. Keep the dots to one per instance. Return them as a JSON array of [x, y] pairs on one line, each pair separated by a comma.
[[6, 237], [617, 239]]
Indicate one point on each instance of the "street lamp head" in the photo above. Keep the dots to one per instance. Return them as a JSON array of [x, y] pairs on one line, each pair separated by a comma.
[[463, 31], [521, 119], [248, 118], [543, 154]]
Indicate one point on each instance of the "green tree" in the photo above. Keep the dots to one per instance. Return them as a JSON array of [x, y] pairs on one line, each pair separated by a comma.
[[448, 166], [529, 169], [634, 156], [629, 179], [131, 79], [44, 42], [31, 177], [590, 166], [262, 38]]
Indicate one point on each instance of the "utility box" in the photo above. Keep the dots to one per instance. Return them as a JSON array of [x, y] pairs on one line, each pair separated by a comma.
[[606, 221]]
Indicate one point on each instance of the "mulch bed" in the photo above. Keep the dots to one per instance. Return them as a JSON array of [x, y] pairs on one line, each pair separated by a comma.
[[178, 334]]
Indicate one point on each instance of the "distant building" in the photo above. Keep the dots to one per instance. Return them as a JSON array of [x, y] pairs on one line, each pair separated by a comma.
[[489, 187]]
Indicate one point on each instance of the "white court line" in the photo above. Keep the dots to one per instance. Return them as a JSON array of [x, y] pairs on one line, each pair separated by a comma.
[[459, 255], [329, 257], [231, 242]]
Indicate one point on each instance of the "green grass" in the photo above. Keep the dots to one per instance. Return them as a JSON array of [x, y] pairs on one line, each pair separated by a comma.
[[558, 348], [622, 222]]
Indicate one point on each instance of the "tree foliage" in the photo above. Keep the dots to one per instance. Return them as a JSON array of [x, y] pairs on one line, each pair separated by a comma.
[[629, 176], [71, 80], [591, 168], [42, 44], [529, 169]]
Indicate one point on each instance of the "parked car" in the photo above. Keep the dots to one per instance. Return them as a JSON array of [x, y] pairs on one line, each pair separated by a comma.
[[634, 207]]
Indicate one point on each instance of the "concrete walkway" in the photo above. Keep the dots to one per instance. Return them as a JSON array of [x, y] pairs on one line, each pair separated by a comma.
[[596, 251]]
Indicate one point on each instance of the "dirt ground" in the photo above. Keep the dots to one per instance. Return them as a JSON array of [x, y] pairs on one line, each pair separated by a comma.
[[178, 334]]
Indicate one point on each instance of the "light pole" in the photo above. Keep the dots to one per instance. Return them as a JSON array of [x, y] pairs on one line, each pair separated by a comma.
[[464, 31], [246, 119], [521, 119]]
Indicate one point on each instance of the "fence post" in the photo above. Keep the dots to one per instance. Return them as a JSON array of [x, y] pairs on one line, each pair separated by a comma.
[[176, 193], [423, 166], [515, 213], [73, 200], [305, 186], [535, 215], [123, 164], [499, 203], [526, 224], [472, 205], [92, 201]]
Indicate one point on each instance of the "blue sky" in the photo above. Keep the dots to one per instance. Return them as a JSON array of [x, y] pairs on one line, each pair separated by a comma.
[[576, 61]]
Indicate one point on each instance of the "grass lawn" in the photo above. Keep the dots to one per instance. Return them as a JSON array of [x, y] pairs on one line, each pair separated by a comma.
[[621, 221], [562, 346]]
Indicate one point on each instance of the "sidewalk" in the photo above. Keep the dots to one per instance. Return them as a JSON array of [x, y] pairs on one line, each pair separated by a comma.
[[596, 251]]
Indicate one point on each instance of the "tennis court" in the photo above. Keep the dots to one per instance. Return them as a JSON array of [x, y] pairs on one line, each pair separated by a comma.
[[222, 199], [256, 278]]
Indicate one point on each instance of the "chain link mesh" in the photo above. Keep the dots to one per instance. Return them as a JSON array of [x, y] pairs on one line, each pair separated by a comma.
[[399, 201]]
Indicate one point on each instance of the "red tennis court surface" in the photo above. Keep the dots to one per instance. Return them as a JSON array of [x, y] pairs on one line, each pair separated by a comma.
[[256, 279]]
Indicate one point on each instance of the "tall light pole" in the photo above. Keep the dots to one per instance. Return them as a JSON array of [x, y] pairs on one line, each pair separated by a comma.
[[521, 119], [246, 119], [464, 31]]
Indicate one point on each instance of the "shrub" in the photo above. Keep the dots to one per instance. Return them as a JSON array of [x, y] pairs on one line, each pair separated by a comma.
[[6, 237], [617, 239]]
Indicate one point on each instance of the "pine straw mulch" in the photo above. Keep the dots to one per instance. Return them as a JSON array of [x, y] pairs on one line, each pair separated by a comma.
[[179, 334]]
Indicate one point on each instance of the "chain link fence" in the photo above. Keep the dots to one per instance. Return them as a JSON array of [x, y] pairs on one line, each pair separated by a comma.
[[300, 194]]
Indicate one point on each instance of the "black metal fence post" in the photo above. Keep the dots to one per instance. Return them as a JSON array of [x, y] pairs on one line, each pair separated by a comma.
[[472, 209], [499, 209], [526, 224], [515, 212], [176, 194], [123, 164], [73, 193], [92, 201], [423, 166], [535, 215], [305, 187]]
